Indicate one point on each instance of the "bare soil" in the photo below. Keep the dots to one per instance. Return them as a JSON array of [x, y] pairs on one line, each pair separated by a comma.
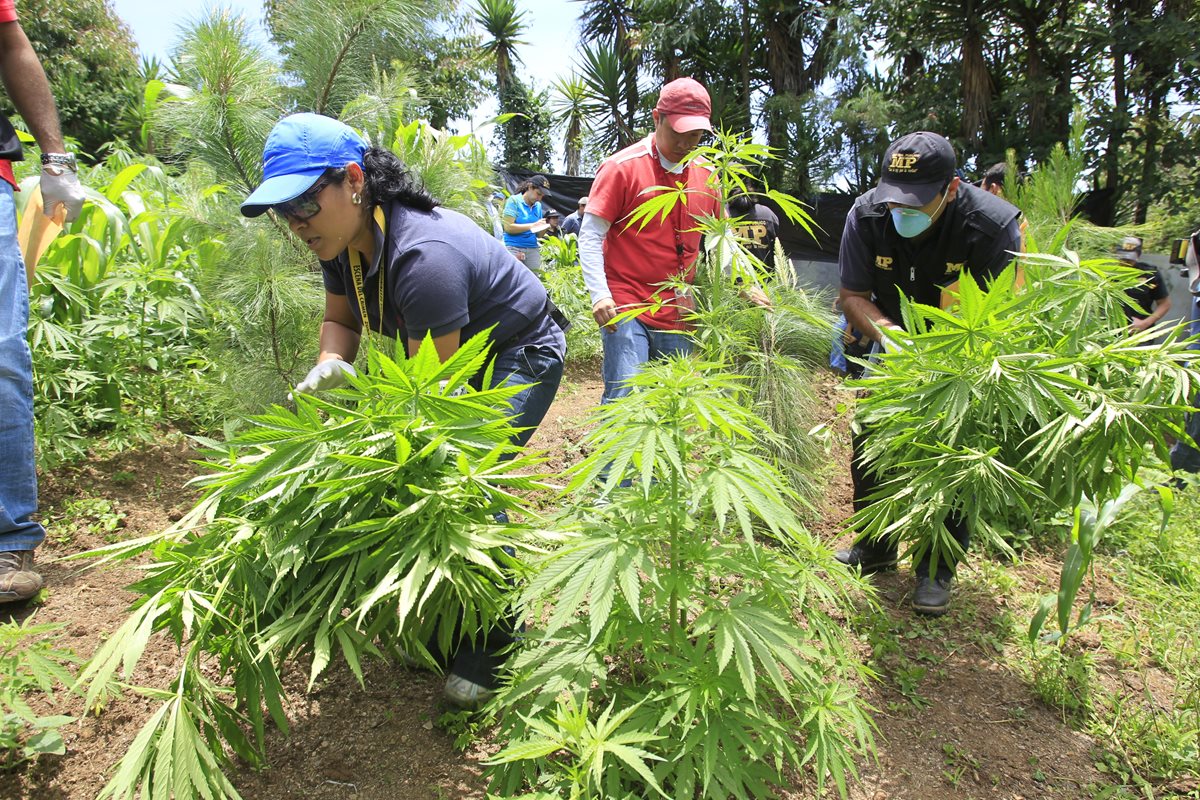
[[967, 726]]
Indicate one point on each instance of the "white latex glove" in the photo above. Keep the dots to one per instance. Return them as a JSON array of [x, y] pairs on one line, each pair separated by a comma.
[[892, 345], [327, 375], [61, 185]]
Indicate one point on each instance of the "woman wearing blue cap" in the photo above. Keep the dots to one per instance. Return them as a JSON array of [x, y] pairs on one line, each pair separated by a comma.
[[391, 256]]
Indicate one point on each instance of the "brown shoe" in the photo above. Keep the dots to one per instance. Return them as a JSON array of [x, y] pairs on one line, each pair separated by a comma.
[[18, 581]]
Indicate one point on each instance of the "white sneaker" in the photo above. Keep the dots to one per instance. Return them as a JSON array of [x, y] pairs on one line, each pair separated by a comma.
[[464, 693]]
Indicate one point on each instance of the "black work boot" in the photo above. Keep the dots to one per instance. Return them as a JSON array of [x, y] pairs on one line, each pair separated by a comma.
[[932, 595], [867, 559]]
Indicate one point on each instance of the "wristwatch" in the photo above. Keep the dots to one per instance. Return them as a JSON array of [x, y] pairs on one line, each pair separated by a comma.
[[61, 161]]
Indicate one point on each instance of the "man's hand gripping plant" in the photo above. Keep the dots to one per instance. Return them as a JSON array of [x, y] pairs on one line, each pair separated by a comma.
[[688, 645], [361, 524]]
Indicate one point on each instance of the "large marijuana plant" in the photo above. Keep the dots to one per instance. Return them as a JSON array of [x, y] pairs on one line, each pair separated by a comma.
[[357, 526], [1017, 404], [776, 349], [688, 646]]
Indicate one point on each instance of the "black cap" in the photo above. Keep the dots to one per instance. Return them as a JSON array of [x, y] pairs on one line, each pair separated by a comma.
[[916, 168], [551, 213], [540, 182]]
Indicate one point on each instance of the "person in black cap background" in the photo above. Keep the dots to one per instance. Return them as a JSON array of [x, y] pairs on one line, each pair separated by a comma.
[[759, 227], [523, 221], [1151, 295], [554, 220], [915, 234]]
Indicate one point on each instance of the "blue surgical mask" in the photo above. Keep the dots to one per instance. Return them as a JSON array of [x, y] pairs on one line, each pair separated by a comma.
[[910, 222]]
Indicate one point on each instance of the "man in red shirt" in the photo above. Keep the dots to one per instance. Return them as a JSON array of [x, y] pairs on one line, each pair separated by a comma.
[[625, 266], [30, 92]]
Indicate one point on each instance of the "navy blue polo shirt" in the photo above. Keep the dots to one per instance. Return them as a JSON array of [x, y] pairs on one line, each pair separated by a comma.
[[442, 273]]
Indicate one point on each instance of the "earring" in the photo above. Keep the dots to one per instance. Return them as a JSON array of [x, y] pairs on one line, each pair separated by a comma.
[[356, 198]]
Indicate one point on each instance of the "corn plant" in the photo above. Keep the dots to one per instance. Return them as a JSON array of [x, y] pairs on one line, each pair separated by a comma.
[[688, 646], [353, 527], [560, 251], [29, 662], [1017, 405], [117, 325]]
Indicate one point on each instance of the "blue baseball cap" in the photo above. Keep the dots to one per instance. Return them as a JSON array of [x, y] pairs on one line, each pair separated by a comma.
[[298, 151]]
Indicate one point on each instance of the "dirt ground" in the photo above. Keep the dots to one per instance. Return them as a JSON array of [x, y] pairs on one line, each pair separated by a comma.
[[970, 729]]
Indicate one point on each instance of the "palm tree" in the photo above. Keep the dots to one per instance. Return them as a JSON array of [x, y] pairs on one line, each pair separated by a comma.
[[603, 77], [571, 112], [505, 25], [614, 22]]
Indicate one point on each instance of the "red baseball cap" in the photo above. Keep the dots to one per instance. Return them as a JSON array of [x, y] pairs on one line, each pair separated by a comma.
[[686, 105]]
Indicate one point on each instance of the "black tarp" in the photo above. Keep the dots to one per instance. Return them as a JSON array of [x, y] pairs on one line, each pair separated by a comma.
[[828, 212]]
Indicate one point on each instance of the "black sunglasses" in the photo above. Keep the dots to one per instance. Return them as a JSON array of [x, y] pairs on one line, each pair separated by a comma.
[[305, 206]]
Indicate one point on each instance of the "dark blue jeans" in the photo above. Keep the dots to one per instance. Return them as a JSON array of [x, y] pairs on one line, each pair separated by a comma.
[[540, 367]]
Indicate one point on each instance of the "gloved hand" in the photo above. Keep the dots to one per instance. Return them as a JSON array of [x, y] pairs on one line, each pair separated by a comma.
[[61, 185], [893, 345], [328, 374]]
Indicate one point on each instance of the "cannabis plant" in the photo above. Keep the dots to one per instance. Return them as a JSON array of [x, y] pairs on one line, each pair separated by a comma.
[[1017, 404], [355, 526], [777, 349], [687, 645], [29, 662]]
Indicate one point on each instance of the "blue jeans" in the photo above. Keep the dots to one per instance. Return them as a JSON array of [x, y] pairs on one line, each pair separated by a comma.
[[1184, 455], [631, 345], [539, 365], [18, 469]]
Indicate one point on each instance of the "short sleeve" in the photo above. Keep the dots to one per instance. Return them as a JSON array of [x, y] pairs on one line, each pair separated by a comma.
[[510, 207], [606, 199], [1157, 286], [8, 11], [332, 277], [435, 294], [999, 253], [854, 257]]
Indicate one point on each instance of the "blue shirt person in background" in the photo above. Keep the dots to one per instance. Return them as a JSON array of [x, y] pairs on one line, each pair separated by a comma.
[[523, 221]]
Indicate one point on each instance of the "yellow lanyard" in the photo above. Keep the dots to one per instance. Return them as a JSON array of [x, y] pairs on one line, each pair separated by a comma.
[[356, 271]]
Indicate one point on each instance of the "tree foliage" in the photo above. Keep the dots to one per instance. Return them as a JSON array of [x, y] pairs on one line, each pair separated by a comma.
[[524, 138], [89, 57]]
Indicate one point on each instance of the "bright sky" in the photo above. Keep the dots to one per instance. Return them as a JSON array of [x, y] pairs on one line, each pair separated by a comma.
[[551, 34]]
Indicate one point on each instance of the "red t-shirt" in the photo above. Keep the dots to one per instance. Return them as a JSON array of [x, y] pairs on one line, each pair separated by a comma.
[[8, 13], [637, 259]]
